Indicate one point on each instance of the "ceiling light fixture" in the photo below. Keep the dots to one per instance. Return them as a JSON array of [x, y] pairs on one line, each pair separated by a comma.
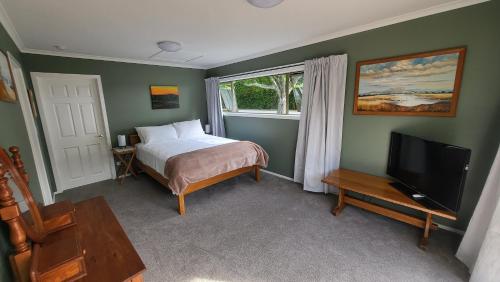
[[264, 3], [169, 46]]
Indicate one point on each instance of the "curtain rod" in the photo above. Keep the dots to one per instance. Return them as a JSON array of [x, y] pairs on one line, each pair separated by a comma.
[[262, 70]]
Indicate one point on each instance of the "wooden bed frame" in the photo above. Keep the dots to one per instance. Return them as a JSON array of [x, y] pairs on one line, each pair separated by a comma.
[[193, 187]]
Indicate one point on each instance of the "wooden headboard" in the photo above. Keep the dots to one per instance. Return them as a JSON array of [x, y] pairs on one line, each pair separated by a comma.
[[134, 139]]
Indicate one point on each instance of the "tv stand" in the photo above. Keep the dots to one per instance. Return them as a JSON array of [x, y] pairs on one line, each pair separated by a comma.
[[424, 201], [381, 188]]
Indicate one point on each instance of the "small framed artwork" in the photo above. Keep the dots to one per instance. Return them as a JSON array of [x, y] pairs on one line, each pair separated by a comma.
[[423, 84], [7, 87], [164, 97]]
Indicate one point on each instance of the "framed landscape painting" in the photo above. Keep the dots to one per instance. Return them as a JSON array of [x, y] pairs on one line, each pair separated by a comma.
[[7, 87], [164, 97], [423, 84]]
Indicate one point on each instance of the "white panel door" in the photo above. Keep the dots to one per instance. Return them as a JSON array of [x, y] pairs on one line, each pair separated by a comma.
[[75, 126]]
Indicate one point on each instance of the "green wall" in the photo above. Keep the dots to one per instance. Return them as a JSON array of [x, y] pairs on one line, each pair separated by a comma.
[[12, 128], [366, 138], [277, 136], [126, 92], [13, 132], [126, 89]]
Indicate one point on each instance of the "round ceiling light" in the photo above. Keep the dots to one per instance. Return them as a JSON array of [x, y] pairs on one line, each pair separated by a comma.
[[169, 46], [264, 3]]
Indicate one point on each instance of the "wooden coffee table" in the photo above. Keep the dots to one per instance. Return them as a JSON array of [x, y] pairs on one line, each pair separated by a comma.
[[380, 188]]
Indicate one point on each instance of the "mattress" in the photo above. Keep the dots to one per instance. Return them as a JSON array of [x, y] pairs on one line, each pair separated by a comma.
[[156, 155]]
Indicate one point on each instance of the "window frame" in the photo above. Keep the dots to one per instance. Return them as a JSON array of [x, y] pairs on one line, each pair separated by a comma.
[[261, 115], [294, 68]]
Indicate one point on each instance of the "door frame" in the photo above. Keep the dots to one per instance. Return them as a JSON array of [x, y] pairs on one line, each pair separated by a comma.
[[43, 115], [29, 121]]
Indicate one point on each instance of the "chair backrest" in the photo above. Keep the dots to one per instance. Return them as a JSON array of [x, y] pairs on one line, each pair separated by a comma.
[[15, 167]]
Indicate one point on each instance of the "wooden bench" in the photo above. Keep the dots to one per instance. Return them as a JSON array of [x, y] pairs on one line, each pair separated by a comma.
[[380, 188]]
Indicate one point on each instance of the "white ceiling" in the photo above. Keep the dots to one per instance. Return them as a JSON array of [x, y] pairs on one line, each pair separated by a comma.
[[212, 32]]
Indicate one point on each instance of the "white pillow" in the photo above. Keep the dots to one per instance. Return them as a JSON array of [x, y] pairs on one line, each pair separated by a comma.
[[156, 134], [189, 129]]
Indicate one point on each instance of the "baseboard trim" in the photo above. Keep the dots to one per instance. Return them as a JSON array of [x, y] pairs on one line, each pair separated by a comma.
[[451, 229], [277, 174], [54, 195]]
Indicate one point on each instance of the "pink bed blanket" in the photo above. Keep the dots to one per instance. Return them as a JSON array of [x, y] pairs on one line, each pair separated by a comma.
[[184, 169]]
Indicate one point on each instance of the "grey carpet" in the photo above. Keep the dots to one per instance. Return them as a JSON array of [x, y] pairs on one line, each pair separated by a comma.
[[240, 230]]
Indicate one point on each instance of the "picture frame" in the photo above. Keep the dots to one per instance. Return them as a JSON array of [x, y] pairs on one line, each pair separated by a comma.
[[7, 85], [164, 96], [420, 84]]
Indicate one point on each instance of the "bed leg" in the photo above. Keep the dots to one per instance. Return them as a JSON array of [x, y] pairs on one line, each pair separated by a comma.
[[257, 173], [182, 208]]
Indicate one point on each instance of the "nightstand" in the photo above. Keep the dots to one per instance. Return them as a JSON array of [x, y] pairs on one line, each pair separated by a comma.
[[126, 156]]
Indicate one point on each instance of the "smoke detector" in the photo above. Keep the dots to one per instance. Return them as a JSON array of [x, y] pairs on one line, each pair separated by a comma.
[[169, 46]]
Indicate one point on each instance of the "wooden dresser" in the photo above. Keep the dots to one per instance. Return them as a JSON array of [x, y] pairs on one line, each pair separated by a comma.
[[63, 241], [109, 254]]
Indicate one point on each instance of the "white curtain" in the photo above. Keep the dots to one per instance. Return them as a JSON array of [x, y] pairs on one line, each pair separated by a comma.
[[480, 247], [215, 117], [320, 129]]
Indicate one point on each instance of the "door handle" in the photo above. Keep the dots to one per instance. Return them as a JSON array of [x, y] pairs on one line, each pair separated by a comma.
[[100, 137]]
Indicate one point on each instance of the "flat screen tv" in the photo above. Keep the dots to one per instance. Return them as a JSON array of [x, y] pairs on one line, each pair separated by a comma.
[[429, 171]]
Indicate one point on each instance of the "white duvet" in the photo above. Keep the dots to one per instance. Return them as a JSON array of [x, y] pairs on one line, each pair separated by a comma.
[[156, 155]]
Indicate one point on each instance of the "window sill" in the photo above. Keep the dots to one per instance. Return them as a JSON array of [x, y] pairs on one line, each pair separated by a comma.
[[263, 115]]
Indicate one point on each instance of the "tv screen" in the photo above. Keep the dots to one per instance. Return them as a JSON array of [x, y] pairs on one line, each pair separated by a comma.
[[433, 169]]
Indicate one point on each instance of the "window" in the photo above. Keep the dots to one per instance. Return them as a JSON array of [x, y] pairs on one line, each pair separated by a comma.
[[271, 95]]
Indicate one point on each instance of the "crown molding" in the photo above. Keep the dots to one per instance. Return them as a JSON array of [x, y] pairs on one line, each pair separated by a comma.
[[376, 24], [111, 59], [11, 30], [9, 27]]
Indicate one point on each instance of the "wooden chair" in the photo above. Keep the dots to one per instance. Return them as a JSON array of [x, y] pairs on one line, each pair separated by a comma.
[[40, 220], [37, 224]]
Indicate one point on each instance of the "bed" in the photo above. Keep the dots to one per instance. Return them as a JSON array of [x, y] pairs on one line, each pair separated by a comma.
[[186, 159]]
